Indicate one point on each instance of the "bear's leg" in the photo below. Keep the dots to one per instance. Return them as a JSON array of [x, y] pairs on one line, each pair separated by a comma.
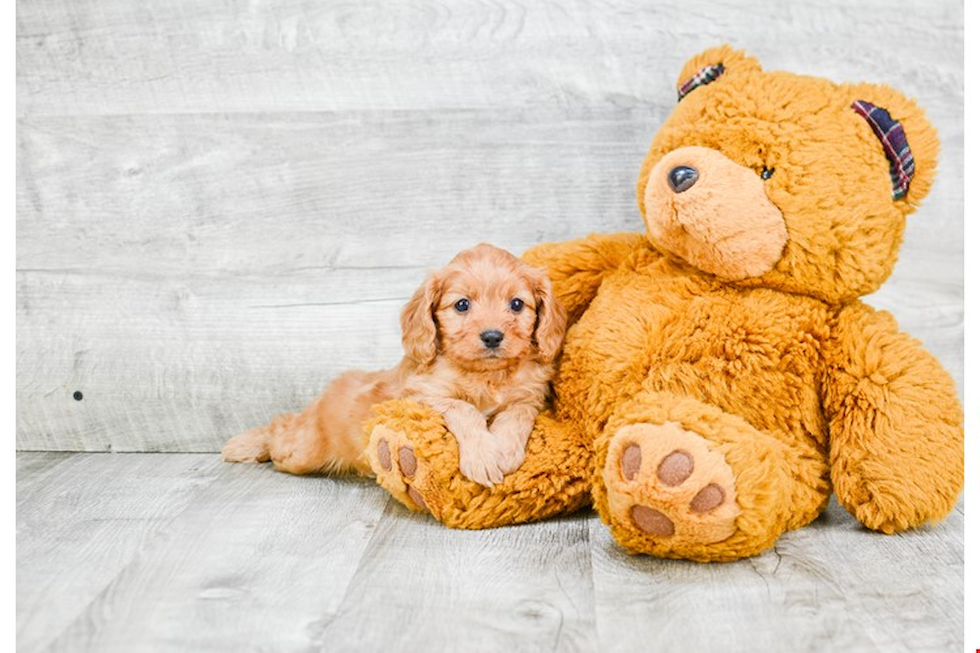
[[678, 478], [896, 425], [417, 460]]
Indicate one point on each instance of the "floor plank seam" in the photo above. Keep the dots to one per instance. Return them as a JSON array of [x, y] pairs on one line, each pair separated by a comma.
[[329, 619]]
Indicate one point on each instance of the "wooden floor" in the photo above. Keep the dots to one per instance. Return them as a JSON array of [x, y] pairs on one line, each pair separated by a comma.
[[181, 552]]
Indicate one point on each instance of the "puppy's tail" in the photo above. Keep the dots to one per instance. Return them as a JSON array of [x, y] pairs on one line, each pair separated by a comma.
[[249, 447]]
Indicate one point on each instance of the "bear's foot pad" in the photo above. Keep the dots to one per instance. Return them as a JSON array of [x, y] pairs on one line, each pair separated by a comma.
[[396, 467], [667, 482]]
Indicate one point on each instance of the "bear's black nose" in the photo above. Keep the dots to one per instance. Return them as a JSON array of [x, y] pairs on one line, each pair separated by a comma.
[[492, 338], [682, 177]]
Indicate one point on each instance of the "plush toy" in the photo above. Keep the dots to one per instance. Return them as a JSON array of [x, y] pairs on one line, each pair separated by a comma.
[[721, 377]]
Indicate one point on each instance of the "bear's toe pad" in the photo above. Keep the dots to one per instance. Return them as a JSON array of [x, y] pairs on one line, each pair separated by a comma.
[[668, 482], [396, 467]]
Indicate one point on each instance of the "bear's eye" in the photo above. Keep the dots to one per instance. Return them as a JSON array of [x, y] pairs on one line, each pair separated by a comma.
[[767, 172], [462, 306], [517, 305]]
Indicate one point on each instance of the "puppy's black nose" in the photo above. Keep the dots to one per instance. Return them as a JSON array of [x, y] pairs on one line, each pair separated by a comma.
[[682, 177], [492, 338]]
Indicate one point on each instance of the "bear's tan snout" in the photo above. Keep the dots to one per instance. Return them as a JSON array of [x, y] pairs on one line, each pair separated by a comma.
[[714, 213]]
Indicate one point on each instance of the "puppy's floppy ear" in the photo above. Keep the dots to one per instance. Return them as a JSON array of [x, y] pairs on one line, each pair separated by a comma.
[[549, 331], [419, 333]]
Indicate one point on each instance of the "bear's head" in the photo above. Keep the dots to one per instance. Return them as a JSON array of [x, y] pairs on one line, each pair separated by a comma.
[[785, 181]]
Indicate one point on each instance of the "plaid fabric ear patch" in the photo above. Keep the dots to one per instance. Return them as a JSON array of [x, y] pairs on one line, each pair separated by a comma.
[[704, 76], [892, 138]]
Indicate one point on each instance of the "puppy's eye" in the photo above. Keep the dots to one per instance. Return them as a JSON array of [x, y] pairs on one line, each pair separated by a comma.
[[517, 305], [767, 172], [462, 306]]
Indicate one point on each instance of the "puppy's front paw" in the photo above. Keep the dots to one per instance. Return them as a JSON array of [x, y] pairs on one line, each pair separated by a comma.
[[510, 454], [478, 459], [511, 430]]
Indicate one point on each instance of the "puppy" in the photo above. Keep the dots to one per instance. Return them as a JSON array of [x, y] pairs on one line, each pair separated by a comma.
[[480, 338]]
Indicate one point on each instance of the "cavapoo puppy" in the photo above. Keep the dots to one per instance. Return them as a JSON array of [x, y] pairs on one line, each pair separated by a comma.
[[480, 337]]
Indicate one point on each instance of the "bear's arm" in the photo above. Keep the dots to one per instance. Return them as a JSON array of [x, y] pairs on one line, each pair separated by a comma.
[[577, 267], [896, 424]]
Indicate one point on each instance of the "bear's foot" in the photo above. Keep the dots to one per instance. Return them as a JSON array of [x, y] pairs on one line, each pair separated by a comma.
[[398, 470], [669, 484]]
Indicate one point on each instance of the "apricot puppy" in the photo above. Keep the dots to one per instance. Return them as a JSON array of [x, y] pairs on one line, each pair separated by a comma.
[[480, 337]]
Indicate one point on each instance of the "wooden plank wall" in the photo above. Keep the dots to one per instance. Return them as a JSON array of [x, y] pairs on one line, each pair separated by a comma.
[[221, 205]]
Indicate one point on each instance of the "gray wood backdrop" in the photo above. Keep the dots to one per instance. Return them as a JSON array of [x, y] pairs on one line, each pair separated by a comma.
[[221, 205]]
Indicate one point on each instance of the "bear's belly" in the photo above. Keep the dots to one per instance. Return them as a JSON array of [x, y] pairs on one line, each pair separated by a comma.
[[754, 353]]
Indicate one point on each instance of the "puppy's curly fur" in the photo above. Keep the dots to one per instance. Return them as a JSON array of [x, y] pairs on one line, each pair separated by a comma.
[[480, 337]]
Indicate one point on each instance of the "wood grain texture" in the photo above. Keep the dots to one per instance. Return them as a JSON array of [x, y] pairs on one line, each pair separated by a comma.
[[32, 471], [117, 57], [179, 552], [260, 195], [81, 522], [183, 552], [831, 586], [506, 589], [221, 207]]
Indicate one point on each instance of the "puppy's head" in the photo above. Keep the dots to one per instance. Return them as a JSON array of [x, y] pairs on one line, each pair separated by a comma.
[[485, 310]]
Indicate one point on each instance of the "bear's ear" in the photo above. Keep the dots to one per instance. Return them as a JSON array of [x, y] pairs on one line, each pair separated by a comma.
[[905, 138], [711, 64]]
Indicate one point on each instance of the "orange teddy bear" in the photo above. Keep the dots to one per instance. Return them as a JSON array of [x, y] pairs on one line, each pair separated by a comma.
[[721, 376]]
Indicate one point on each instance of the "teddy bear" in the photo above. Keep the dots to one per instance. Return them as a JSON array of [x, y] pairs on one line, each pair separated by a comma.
[[721, 376]]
